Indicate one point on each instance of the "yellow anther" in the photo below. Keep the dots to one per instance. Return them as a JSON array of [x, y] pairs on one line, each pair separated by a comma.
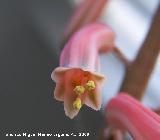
[[79, 89], [77, 104], [90, 85]]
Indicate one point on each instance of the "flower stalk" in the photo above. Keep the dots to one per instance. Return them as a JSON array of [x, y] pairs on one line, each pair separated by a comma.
[[139, 71]]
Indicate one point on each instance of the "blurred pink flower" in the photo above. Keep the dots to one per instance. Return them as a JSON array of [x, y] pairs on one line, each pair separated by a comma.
[[127, 113], [88, 11], [78, 80]]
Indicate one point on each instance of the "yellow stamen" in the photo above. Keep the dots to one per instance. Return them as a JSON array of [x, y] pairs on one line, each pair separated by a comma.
[[90, 85], [79, 89], [77, 104]]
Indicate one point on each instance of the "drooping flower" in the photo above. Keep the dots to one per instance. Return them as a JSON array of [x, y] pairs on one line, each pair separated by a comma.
[[78, 80], [88, 11], [127, 113]]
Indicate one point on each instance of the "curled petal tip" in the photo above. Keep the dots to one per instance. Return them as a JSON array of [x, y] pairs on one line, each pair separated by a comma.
[[72, 107], [94, 99], [58, 74]]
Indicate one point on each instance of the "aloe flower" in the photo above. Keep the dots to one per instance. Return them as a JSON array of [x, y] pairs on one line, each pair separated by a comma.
[[127, 113], [88, 11], [78, 80]]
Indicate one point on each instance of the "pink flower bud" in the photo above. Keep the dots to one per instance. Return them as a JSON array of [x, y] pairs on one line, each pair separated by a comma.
[[127, 113], [87, 12]]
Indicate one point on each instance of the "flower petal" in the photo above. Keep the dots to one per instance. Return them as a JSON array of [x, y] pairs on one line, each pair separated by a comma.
[[94, 99], [58, 73], [72, 77], [69, 98], [59, 91]]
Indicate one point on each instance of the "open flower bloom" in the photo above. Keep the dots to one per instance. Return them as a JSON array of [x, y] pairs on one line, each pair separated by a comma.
[[78, 80], [127, 113]]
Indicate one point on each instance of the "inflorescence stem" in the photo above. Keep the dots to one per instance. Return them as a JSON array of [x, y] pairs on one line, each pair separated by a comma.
[[139, 71]]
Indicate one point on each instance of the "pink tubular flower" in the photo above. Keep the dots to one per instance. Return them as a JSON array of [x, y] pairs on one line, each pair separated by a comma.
[[87, 12], [77, 79], [127, 113]]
